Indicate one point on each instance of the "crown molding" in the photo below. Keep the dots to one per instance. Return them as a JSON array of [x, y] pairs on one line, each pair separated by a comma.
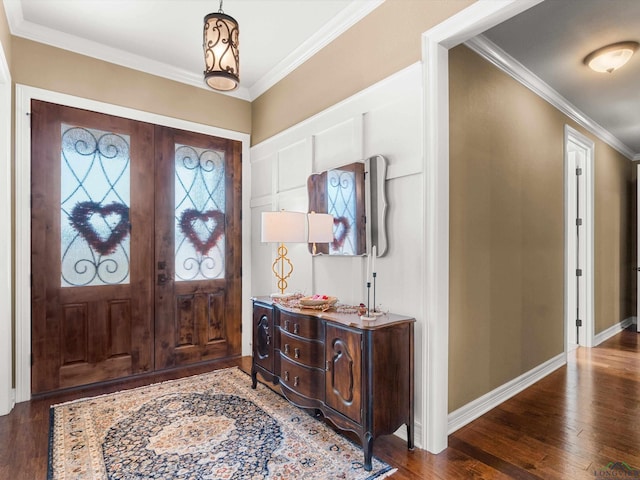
[[505, 62], [348, 17]]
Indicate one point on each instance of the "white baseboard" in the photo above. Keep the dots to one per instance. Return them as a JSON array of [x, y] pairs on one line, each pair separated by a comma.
[[613, 330], [482, 405]]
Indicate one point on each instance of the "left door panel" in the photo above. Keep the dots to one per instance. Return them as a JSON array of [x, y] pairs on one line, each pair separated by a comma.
[[92, 211]]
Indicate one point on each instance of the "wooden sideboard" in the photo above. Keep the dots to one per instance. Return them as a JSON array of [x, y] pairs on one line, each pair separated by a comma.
[[358, 374]]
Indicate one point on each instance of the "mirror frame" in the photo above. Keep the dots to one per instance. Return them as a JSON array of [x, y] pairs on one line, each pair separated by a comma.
[[371, 205], [376, 203]]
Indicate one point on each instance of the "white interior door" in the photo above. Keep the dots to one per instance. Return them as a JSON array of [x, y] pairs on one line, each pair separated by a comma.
[[572, 247], [576, 252], [578, 239], [638, 249], [581, 246]]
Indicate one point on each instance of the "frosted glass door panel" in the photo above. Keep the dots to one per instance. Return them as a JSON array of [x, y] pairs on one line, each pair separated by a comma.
[[94, 207], [199, 214]]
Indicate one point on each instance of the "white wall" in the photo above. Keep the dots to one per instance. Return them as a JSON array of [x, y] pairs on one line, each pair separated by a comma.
[[6, 354], [384, 119]]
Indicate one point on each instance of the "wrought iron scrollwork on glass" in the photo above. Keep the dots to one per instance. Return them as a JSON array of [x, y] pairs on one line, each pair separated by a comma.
[[199, 213], [94, 207], [341, 197]]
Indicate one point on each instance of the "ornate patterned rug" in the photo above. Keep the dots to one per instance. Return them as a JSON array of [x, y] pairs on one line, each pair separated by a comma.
[[209, 426]]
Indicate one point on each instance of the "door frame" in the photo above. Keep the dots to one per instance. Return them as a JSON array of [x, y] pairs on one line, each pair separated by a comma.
[[23, 96], [6, 387], [637, 248], [570, 290]]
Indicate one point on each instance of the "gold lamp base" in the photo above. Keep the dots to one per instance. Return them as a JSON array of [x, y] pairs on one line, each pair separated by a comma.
[[282, 268]]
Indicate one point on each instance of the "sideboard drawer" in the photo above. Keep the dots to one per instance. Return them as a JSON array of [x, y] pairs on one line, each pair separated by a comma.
[[303, 380], [307, 327], [307, 352]]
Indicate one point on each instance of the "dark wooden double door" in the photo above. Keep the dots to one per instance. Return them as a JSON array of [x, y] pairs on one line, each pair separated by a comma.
[[136, 247]]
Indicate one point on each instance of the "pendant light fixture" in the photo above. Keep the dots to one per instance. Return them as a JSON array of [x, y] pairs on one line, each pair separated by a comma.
[[610, 58], [221, 53]]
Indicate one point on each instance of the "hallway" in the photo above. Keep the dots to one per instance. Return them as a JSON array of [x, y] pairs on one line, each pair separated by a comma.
[[570, 425]]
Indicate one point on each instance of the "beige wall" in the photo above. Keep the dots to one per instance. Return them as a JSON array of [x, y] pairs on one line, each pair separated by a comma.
[[51, 68], [384, 42], [507, 232], [5, 35], [615, 236]]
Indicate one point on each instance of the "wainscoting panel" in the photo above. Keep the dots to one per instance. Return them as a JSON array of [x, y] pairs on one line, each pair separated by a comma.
[[262, 255], [293, 169], [384, 119], [261, 184], [394, 129], [335, 146]]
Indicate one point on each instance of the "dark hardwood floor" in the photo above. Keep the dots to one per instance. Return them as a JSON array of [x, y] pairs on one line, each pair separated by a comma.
[[570, 425]]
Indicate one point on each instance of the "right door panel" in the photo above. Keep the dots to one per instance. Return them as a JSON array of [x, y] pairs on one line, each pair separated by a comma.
[[198, 248]]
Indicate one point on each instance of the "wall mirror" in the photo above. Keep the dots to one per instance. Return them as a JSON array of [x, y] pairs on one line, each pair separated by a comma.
[[355, 194]]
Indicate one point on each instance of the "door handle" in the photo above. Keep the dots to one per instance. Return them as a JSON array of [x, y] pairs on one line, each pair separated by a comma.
[[162, 278]]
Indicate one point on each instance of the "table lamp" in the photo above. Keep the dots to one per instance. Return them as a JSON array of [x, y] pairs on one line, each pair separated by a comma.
[[283, 227]]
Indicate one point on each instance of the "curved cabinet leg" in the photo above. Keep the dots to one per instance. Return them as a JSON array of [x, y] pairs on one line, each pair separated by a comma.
[[367, 447], [254, 378]]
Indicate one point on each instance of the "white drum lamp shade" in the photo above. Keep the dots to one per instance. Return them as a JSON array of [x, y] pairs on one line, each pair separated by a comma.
[[320, 227], [283, 227]]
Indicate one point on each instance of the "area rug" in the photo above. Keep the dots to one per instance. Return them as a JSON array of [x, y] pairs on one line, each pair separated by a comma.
[[209, 426]]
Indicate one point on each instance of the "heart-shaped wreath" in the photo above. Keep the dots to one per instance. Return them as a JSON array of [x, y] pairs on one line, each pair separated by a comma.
[[187, 225], [80, 219], [340, 234]]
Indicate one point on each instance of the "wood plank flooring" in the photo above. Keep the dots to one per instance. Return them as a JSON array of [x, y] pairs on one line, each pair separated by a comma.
[[570, 425]]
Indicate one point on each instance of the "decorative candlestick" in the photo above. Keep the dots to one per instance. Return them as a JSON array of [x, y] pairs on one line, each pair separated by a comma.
[[366, 279], [373, 263], [368, 316], [374, 292]]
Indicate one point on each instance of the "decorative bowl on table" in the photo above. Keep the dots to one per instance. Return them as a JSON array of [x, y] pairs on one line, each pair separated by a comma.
[[317, 300]]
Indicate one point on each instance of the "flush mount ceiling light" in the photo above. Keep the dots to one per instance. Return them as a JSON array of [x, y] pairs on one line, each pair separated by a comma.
[[610, 58], [221, 54]]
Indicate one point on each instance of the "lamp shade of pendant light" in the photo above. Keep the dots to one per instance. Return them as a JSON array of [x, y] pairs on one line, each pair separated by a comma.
[[221, 51], [610, 58]]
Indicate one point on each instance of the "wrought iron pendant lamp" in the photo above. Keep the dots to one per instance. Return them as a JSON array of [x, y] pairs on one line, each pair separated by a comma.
[[221, 53]]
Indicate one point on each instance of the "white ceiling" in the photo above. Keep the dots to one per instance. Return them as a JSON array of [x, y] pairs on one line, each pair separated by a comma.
[[552, 38], [164, 37]]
